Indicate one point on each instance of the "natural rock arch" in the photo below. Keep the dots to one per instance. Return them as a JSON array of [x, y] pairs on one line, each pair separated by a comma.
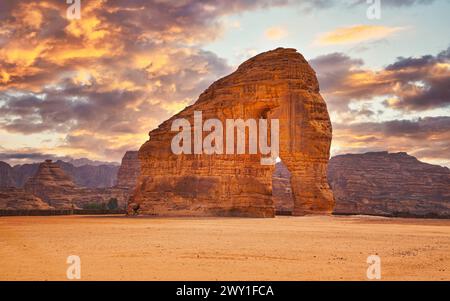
[[275, 84]]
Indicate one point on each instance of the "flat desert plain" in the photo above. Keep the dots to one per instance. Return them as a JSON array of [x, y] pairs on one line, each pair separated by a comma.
[[282, 248]]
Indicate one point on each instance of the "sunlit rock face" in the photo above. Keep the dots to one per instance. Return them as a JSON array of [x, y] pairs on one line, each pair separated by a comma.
[[390, 184], [276, 84]]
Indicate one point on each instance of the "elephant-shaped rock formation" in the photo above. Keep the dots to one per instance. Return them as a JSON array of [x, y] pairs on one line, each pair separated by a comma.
[[277, 84]]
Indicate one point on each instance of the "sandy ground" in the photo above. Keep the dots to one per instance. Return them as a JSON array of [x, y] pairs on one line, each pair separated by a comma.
[[284, 248]]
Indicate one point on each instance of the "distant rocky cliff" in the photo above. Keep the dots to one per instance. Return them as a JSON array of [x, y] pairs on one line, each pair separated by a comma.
[[90, 176], [51, 184], [281, 189], [378, 183], [129, 170], [6, 175], [390, 184]]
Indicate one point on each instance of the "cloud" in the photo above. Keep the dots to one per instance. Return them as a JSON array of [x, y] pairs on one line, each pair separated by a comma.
[[356, 34], [408, 84], [26, 156], [104, 81], [21, 156], [99, 84], [426, 138], [398, 3], [365, 104], [275, 33]]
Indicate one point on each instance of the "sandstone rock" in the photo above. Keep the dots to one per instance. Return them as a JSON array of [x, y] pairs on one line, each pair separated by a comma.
[[56, 188], [98, 176], [15, 198], [91, 176], [81, 197], [275, 84], [23, 172], [390, 184], [6, 175], [51, 184], [281, 189], [129, 171]]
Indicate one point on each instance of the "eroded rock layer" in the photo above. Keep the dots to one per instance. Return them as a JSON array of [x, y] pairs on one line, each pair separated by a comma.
[[390, 184], [56, 188], [129, 171], [275, 84], [91, 176], [51, 184], [18, 199]]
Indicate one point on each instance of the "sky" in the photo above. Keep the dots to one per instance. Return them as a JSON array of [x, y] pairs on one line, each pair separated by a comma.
[[94, 87]]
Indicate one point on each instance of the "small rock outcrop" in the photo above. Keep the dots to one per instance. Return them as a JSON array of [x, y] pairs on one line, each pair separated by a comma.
[[389, 184], [18, 199], [277, 84]]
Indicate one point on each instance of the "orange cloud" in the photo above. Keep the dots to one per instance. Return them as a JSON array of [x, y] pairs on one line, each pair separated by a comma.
[[276, 33], [356, 33]]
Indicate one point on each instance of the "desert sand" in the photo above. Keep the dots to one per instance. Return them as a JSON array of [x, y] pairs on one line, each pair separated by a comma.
[[282, 248]]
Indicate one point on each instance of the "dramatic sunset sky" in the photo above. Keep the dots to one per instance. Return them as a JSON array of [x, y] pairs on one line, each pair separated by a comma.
[[95, 87]]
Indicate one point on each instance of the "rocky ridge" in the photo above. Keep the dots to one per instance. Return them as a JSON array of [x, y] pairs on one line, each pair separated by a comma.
[[56, 188], [389, 184]]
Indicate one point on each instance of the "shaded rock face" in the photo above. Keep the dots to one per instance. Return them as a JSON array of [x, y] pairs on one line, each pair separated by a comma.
[[98, 176], [390, 184], [23, 172], [275, 84], [15, 198], [6, 175], [51, 184], [129, 171], [281, 189], [55, 187], [91, 176]]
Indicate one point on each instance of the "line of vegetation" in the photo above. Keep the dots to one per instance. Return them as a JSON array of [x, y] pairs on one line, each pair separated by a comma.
[[112, 204]]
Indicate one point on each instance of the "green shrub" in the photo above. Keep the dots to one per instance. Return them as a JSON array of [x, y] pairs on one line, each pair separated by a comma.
[[113, 204], [95, 206]]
